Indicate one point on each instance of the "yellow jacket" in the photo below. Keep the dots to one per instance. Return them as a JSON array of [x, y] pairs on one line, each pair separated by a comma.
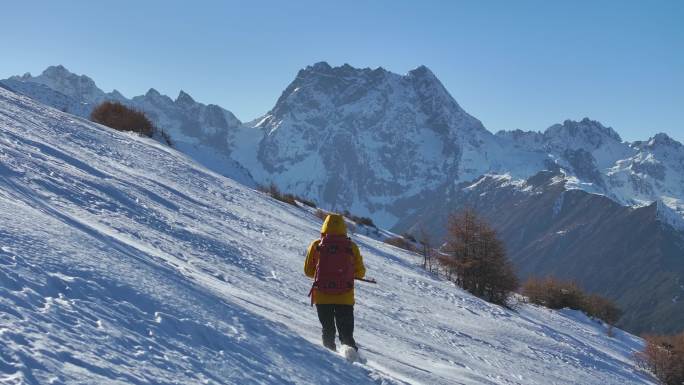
[[334, 225]]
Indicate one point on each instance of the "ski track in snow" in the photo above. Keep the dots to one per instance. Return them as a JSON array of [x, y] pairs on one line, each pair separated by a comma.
[[124, 262]]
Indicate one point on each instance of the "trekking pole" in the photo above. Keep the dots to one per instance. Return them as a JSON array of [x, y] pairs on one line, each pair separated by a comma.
[[369, 280]]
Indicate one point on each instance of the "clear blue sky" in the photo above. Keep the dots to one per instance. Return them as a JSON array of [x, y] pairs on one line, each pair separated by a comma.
[[512, 64]]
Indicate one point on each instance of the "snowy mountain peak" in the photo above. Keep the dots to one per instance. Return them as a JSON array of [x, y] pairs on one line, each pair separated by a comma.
[[152, 93], [59, 71], [422, 71], [60, 79], [154, 97], [117, 95], [25, 76], [321, 66], [362, 124], [587, 134], [660, 140], [662, 151], [184, 99], [322, 70]]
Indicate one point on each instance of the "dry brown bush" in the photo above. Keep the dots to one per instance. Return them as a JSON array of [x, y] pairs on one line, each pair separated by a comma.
[[664, 357], [409, 237], [365, 221], [400, 242], [287, 198], [553, 293], [292, 199], [602, 308], [123, 118], [275, 193], [305, 201]]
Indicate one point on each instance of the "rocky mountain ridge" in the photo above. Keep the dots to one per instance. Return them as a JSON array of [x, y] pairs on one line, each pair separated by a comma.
[[384, 140], [371, 141]]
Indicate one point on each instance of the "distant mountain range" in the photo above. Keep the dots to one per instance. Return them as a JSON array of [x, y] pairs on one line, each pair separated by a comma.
[[574, 200]]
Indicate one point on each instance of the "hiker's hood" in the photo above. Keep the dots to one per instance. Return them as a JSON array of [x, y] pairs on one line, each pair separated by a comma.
[[334, 225]]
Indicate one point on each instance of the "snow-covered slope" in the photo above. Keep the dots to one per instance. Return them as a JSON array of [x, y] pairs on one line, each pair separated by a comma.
[[122, 261], [202, 131]]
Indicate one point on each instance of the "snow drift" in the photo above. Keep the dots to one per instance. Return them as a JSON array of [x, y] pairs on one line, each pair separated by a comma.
[[124, 262]]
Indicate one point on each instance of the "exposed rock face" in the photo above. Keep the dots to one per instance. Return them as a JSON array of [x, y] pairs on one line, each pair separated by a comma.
[[362, 139]]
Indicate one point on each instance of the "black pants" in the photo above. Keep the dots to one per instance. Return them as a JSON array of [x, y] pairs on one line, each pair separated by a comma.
[[343, 316]]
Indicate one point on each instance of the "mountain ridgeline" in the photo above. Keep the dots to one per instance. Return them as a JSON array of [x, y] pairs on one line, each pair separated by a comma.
[[575, 200]]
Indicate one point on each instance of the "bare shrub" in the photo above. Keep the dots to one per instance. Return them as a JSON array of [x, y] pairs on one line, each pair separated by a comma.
[[275, 193], [288, 198], [664, 357], [400, 242], [409, 236], [602, 308], [305, 201], [365, 221], [123, 118], [553, 293]]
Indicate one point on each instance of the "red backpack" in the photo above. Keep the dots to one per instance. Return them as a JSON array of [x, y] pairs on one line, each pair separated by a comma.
[[335, 265]]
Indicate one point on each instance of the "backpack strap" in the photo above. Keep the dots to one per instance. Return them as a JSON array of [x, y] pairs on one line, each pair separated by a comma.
[[315, 282]]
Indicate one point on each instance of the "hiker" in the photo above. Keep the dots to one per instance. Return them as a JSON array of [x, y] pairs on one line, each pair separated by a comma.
[[334, 261]]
